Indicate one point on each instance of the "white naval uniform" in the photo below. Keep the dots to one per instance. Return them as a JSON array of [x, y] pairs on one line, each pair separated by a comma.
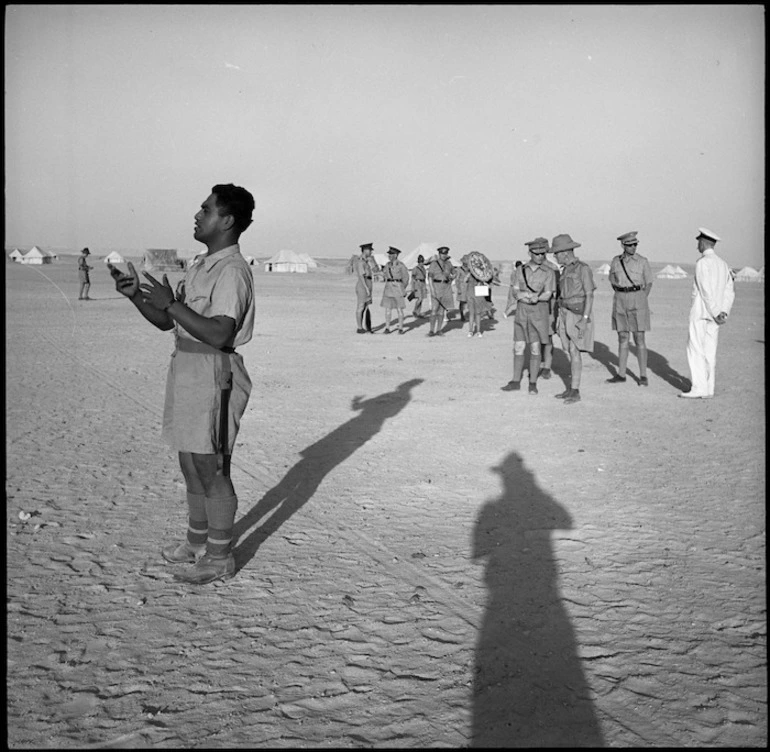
[[712, 293]]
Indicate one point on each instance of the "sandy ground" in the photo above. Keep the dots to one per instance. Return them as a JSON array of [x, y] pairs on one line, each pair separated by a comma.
[[424, 560]]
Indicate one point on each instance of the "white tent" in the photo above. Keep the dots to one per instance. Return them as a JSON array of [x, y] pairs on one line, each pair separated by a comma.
[[37, 256], [381, 258], [309, 260], [671, 272], [426, 250], [16, 255], [114, 258], [286, 261], [250, 260], [749, 274], [604, 270]]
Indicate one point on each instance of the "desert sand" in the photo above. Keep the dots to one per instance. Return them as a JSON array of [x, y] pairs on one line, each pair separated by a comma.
[[424, 560]]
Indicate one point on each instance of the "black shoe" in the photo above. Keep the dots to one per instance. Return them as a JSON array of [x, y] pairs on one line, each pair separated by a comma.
[[643, 381], [573, 396], [360, 331], [563, 395], [511, 386], [532, 388], [431, 334], [617, 380], [545, 373]]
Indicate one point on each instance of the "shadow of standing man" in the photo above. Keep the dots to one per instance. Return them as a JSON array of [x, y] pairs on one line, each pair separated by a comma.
[[299, 484], [529, 686]]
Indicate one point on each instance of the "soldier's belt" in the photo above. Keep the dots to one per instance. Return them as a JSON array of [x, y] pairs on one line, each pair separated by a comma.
[[633, 288]]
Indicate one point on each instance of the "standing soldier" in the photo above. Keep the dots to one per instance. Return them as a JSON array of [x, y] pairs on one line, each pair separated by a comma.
[[545, 366], [419, 288], [631, 279], [363, 271], [462, 274], [534, 284], [83, 269], [713, 295], [440, 276], [576, 299], [393, 296]]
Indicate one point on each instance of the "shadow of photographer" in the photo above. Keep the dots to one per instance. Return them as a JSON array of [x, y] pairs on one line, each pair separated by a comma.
[[529, 686]]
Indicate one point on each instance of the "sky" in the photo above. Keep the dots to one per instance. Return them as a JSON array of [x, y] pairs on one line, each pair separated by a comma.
[[478, 127]]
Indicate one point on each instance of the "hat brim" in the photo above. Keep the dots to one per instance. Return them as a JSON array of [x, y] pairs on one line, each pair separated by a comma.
[[568, 247]]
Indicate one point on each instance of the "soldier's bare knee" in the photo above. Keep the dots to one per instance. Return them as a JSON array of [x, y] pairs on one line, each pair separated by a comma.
[[519, 347]]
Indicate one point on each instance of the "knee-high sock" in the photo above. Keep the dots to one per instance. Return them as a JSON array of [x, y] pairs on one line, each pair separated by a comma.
[[221, 516], [518, 366], [534, 365], [198, 526]]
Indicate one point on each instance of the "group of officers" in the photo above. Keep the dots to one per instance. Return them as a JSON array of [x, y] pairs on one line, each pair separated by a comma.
[[547, 299]]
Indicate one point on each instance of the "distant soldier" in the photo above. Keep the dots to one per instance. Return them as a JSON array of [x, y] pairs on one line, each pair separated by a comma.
[[83, 269], [533, 286], [631, 279], [440, 276], [576, 300], [363, 270], [396, 277], [419, 286]]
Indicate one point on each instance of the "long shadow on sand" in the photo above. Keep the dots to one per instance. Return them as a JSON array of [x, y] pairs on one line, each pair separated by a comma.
[[318, 460], [529, 686], [655, 362]]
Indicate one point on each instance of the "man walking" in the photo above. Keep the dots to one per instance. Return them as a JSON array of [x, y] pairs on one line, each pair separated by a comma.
[[419, 288], [363, 271], [576, 299], [440, 276], [83, 276], [207, 387], [713, 294], [393, 295], [534, 284], [631, 279]]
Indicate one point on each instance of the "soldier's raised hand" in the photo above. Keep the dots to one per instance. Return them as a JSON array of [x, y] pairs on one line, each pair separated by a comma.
[[126, 283]]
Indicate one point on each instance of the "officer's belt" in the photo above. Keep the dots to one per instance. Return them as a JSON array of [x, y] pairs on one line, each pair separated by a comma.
[[194, 346], [633, 288]]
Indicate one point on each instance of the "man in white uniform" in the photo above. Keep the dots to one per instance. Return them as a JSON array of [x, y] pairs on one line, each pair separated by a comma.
[[712, 298]]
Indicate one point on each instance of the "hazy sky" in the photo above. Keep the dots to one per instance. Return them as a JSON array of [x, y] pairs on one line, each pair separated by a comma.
[[478, 127]]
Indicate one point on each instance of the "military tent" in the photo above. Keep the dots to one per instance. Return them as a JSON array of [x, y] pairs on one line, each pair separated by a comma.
[[604, 270], [162, 260], [309, 260], [381, 258], [426, 250], [671, 272], [286, 261], [114, 258], [16, 255], [250, 260], [37, 256], [749, 274]]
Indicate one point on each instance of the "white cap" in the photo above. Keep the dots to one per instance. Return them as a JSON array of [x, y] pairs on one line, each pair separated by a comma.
[[708, 234]]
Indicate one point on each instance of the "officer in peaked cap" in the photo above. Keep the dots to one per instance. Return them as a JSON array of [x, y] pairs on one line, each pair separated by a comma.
[[631, 279], [533, 286], [441, 273], [713, 295], [362, 268], [396, 277]]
